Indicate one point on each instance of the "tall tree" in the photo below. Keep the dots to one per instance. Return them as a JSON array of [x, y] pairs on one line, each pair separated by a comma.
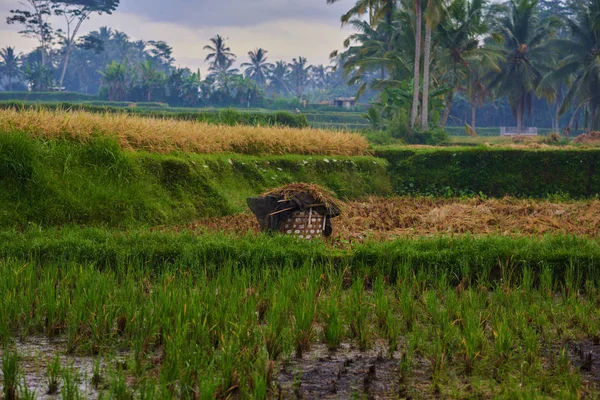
[[299, 73], [258, 67], [433, 16], [115, 77], [220, 55], [35, 22], [75, 12], [9, 65], [417, 63], [278, 75], [462, 55], [150, 77], [580, 68], [523, 44]]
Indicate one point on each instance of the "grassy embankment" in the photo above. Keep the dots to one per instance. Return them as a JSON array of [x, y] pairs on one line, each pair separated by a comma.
[[84, 168]]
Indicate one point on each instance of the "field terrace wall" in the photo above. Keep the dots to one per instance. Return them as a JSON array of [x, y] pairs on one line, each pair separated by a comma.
[[55, 182], [572, 173]]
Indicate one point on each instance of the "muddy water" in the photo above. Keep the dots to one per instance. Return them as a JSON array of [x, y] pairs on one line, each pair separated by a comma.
[[36, 353], [346, 373]]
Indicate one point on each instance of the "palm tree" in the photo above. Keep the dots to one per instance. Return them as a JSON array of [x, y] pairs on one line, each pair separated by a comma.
[[299, 74], [417, 64], [523, 45], [219, 54], [258, 67], [433, 16], [9, 64], [151, 78], [278, 75], [377, 10], [581, 66], [115, 77], [462, 57]]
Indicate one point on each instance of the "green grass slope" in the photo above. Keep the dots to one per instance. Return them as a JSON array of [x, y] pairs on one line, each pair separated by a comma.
[[97, 183]]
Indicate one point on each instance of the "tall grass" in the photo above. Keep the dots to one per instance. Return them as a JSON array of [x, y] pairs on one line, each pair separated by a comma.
[[165, 136]]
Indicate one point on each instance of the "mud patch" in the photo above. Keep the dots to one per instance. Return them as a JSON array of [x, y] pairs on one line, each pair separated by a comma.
[[36, 353], [586, 356], [347, 373]]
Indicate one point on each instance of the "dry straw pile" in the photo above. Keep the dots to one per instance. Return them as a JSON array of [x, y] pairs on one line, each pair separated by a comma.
[[165, 135], [387, 219]]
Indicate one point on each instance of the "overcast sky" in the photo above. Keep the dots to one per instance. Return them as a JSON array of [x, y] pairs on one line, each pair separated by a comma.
[[286, 28]]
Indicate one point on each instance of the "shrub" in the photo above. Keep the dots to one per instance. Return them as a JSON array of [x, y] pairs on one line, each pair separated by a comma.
[[494, 172]]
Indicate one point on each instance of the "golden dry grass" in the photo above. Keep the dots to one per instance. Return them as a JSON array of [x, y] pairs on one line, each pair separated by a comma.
[[385, 219], [165, 135]]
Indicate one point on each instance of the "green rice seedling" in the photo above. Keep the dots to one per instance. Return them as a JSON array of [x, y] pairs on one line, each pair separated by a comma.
[[333, 328], [382, 305], [118, 386], [305, 309], [97, 377], [503, 340], [473, 337], [359, 310], [10, 373], [53, 375], [547, 282], [70, 384], [407, 305]]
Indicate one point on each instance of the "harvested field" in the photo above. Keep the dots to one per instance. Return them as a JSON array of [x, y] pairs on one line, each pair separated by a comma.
[[165, 136], [382, 219]]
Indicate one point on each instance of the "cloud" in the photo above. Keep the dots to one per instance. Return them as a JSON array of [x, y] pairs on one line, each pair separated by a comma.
[[306, 33]]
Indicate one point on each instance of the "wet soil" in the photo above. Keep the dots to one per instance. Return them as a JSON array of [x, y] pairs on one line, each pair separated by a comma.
[[36, 353], [585, 355], [346, 373]]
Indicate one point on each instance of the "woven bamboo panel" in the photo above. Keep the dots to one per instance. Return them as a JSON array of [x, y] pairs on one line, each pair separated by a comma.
[[304, 224]]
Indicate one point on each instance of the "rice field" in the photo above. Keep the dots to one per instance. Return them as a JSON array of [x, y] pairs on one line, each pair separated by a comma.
[[400, 217], [318, 331], [166, 136], [412, 297]]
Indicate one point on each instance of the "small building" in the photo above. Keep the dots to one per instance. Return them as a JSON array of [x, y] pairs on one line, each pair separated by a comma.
[[343, 102], [512, 131], [298, 209]]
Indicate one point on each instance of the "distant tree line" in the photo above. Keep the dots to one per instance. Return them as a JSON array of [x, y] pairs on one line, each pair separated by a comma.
[[434, 57], [109, 63]]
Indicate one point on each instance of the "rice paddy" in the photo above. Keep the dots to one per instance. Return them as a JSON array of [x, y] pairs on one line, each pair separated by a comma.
[[412, 297], [311, 332], [166, 136]]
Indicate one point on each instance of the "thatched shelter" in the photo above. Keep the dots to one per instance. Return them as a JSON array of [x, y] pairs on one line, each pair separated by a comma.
[[297, 209]]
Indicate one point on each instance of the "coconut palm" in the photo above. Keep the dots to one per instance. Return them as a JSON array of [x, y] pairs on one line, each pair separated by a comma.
[[258, 67], [377, 10], [219, 54], [523, 45], [278, 77], [9, 65], [433, 16], [462, 57], [115, 77], [299, 73], [417, 63], [581, 65], [150, 77]]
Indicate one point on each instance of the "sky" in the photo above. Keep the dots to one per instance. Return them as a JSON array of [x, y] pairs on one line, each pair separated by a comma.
[[285, 28]]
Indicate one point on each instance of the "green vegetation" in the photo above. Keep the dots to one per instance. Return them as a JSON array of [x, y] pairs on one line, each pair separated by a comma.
[[494, 172], [229, 117], [212, 320], [96, 182]]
